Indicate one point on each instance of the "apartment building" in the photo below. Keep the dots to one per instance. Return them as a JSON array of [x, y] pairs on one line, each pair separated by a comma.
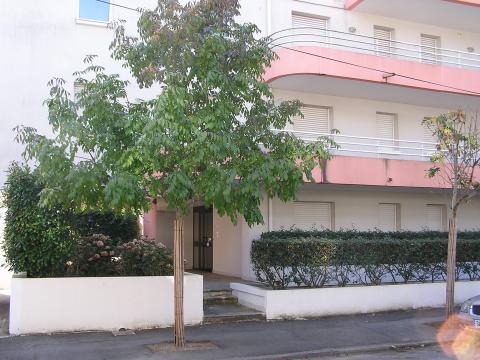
[[372, 69]]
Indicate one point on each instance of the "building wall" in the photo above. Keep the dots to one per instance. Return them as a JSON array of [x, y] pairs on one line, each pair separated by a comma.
[[353, 116], [342, 20], [355, 208], [359, 210], [227, 246]]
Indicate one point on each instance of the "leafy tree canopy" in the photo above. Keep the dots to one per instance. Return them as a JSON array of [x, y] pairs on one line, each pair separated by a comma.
[[208, 135]]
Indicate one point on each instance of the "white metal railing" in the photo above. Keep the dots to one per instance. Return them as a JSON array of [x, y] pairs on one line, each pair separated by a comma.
[[372, 45], [372, 146]]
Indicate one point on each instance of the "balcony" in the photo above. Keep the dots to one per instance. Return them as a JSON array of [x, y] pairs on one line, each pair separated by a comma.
[[455, 14], [309, 36], [373, 147]]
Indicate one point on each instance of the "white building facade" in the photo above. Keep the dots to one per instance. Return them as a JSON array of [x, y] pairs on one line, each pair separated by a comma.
[[373, 71]]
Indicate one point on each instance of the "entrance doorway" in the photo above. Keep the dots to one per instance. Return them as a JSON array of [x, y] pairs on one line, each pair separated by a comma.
[[202, 238]]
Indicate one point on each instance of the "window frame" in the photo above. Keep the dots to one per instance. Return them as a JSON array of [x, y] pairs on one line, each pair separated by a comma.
[[86, 21]]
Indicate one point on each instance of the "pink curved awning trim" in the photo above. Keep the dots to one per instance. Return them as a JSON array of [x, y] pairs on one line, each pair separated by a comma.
[[294, 63]]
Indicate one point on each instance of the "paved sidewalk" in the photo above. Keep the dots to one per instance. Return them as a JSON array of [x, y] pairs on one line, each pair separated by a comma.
[[253, 340], [4, 309]]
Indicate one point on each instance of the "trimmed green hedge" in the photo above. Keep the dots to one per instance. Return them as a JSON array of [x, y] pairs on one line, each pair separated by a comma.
[[317, 258]]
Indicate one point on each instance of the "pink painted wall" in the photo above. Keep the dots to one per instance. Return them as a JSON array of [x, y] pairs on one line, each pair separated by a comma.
[[294, 63], [150, 222], [348, 170]]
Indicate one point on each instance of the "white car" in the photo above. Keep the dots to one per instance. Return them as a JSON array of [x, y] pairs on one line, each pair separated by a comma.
[[470, 312]]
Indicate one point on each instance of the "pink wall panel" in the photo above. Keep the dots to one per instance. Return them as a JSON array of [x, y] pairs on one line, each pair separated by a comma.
[[150, 222]]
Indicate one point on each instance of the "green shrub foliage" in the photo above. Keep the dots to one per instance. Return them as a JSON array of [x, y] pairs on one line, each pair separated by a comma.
[[37, 240], [318, 258], [55, 242], [120, 228]]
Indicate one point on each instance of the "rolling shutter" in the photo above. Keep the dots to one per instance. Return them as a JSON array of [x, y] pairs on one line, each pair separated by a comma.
[[383, 40], [308, 215], [386, 130], [429, 49], [317, 26], [435, 217], [388, 217], [315, 119]]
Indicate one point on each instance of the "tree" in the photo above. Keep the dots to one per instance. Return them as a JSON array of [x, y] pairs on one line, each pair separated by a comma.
[[457, 163], [207, 135]]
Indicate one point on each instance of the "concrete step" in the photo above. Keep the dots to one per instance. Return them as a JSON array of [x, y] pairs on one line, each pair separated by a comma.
[[218, 297], [215, 314]]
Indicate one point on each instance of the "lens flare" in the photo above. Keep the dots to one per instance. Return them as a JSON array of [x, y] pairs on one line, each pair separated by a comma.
[[459, 339]]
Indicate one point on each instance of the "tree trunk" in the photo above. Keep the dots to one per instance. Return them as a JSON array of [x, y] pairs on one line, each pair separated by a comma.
[[451, 263], [178, 275]]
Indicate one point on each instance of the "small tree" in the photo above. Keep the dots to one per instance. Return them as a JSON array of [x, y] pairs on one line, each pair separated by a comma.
[[207, 135], [457, 163]]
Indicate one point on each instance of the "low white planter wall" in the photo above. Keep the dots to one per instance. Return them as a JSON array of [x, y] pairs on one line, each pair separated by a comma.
[[304, 303], [104, 303]]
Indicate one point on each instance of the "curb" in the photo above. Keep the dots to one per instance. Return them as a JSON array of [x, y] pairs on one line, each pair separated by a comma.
[[345, 351]]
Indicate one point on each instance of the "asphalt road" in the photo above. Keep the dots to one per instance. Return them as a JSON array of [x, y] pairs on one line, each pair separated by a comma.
[[428, 353]]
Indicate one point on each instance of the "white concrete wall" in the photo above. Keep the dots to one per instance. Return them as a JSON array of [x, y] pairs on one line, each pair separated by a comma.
[[80, 304], [305, 303]]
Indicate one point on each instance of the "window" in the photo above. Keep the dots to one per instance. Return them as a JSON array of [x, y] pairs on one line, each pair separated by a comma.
[[316, 119], [94, 10], [389, 217], [310, 27], [386, 129], [436, 217], [318, 215], [383, 38], [429, 49]]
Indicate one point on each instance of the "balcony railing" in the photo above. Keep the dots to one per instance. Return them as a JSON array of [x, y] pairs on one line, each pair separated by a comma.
[[372, 146], [376, 46]]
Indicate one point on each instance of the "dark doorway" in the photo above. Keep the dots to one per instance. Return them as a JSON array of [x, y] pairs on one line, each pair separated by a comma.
[[202, 238]]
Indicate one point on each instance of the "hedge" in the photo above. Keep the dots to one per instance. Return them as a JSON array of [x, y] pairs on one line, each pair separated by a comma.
[[318, 258], [41, 241]]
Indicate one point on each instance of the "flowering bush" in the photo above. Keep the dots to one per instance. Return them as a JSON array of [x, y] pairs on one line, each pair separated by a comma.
[[99, 255], [95, 256], [144, 257]]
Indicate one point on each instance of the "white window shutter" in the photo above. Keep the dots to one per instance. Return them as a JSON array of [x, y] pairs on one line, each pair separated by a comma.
[[316, 27], [383, 40], [388, 217], [435, 214], [429, 49], [315, 119], [386, 125], [308, 215], [386, 130]]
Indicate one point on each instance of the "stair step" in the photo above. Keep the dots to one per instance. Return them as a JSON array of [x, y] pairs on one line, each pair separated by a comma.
[[218, 297], [215, 314]]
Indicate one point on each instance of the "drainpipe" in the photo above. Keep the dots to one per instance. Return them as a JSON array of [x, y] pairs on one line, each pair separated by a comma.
[[269, 17], [270, 215]]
